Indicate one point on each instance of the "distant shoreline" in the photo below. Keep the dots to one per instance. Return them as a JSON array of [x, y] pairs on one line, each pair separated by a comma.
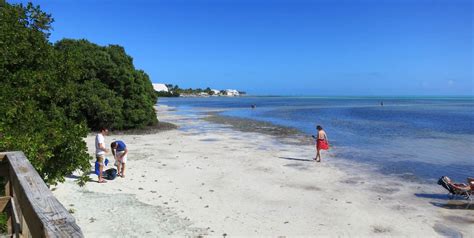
[[467, 97]]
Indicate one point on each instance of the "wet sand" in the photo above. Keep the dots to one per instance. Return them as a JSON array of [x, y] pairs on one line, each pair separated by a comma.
[[209, 179], [286, 134], [159, 127]]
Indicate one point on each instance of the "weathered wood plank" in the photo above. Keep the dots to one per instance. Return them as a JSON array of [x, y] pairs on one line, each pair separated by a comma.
[[10, 221], [4, 202], [44, 214], [15, 221]]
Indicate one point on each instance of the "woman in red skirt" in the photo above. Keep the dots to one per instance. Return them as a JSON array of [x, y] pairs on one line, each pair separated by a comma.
[[321, 142]]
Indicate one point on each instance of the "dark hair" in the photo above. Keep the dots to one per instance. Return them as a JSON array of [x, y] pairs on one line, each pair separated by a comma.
[[103, 128], [113, 144], [319, 127]]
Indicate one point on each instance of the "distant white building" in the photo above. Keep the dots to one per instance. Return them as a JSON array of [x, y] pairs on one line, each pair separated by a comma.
[[160, 87], [232, 92], [216, 92]]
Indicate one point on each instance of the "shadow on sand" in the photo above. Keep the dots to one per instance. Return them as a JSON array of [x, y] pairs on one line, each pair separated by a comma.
[[449, 202], [433, 196], [296, 159], [73, 176], [457, 204]]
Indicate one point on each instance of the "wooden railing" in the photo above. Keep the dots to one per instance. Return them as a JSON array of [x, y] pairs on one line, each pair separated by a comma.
[[31, 208]]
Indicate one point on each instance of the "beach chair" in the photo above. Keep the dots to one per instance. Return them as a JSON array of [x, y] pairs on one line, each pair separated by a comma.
[[458, 189]]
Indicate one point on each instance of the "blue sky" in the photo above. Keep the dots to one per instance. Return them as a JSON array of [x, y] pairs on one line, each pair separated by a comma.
[[320, 47]]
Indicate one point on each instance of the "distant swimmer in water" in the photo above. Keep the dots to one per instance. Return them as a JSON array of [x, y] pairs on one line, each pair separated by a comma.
[[253, 106], [322, 142], [381, 103]]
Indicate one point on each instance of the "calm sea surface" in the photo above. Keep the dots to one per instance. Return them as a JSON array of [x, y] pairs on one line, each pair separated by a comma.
[[415, 138]]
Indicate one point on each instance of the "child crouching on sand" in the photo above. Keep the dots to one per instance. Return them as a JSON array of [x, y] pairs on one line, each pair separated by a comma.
[[120, 151]]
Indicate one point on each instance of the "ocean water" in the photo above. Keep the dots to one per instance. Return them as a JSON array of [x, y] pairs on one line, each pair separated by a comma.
[[415, 138]]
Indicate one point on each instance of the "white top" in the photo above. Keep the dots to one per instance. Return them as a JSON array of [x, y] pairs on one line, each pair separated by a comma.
[[159, 87], [99, 139]]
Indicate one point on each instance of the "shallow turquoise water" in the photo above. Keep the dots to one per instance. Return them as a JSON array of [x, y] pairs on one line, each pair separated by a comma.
[[415, 138]]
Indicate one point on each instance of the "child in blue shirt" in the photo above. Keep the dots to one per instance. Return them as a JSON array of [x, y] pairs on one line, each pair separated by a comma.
[[120, 151]]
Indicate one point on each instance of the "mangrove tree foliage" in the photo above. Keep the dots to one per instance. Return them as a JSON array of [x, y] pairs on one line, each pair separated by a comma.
[[52, 95]]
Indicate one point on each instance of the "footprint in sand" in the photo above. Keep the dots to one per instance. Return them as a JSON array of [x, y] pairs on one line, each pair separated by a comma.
[[381, 229]]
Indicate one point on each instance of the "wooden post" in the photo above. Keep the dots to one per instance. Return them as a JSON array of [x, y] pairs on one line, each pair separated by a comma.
[[6, 206]]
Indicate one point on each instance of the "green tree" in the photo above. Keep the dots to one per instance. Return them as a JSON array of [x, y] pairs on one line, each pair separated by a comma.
[[31, 96], [209, 91], [114, 93], [52, 95]]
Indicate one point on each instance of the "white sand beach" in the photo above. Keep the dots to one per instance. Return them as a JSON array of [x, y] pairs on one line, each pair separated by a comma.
[[210, 180]]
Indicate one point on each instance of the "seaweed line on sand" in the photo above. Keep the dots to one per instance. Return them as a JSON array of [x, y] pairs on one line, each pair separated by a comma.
[[246, 125], [153, 129]]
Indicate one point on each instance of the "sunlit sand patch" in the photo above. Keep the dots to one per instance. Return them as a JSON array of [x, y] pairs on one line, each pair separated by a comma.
[[159, 219]]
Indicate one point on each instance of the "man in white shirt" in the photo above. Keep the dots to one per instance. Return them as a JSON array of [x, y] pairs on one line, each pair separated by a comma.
[[100, 151]]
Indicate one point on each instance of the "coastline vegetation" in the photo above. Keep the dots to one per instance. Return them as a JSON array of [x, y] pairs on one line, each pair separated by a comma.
[[176, 91], [52, 95]]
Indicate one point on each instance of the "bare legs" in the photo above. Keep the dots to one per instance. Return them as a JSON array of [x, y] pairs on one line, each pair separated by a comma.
[[123, 170], [119, 165], [318, 155], [100, 160], [101, 170]]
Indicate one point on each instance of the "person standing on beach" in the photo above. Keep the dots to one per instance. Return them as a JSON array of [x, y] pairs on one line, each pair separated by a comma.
[[120, 152], [322, 142], [100, 151]]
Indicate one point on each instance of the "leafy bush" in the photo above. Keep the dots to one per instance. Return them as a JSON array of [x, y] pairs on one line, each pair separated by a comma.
[[112, 92], [52, 95]]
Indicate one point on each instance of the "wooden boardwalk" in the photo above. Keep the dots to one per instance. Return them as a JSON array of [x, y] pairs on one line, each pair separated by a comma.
[[31, 208]]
